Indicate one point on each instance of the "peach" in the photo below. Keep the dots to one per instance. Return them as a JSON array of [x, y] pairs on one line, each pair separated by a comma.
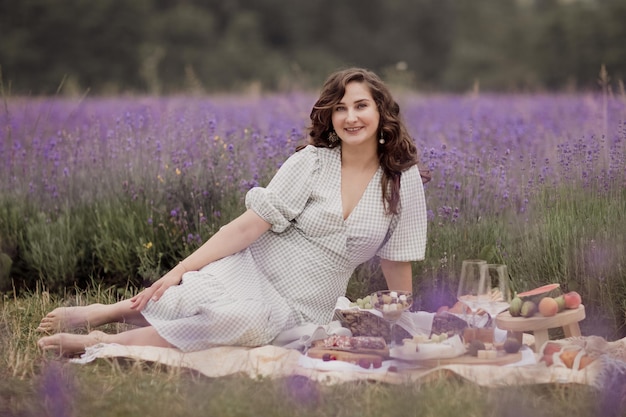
[[584, 361], [568, 357], [548, 307], [572, 299]]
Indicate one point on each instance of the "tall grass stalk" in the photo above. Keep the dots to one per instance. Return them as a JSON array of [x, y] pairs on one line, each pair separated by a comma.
[[34, 384]]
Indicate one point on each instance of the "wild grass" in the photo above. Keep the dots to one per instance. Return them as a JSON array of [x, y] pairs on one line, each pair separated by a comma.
[[33, 384]]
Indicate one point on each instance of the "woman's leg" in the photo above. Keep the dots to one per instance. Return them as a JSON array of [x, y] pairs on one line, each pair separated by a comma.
[[93, 315], [69, 344]]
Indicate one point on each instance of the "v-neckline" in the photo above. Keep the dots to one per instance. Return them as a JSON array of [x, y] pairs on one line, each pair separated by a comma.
[[365, 190]]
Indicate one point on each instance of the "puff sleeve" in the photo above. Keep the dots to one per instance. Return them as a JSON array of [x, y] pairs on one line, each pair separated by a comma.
[[288, 192], [407, 235]]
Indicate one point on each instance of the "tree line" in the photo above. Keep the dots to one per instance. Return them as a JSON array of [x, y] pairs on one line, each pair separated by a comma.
[[169, 46]]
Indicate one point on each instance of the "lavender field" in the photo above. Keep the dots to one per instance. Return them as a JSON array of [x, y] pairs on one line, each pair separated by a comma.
[[116, 190]]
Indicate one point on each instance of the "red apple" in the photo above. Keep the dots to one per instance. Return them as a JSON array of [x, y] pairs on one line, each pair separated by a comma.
[[548, 352], [572, 299]]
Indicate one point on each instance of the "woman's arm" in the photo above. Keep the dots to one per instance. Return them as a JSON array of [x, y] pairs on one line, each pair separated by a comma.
[[231, 238], [399, 275]]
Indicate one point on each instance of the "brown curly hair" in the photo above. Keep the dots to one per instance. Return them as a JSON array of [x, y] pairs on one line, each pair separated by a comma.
[[396, 155]]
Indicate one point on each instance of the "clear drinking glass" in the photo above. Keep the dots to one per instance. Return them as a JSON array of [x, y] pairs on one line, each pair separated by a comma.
[[497, 293], [472, 285]]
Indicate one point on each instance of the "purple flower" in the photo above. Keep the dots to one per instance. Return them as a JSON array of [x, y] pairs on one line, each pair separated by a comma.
[[56, 390]]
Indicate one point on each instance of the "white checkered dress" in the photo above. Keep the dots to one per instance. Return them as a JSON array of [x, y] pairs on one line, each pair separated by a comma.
[[293, 273]]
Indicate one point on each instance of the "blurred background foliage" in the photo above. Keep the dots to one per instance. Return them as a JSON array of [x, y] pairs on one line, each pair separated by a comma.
[[207, 46]]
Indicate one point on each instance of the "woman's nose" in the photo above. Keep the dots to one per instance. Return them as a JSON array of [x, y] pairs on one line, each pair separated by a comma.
[[351, 116]]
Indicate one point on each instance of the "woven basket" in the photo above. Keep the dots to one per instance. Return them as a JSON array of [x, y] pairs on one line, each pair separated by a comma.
[[364, 323]]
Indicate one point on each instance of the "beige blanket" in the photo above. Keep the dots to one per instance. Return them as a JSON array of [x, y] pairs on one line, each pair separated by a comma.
[[275, 362]]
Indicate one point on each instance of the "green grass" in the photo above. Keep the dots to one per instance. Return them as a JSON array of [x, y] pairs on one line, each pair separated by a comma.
[[567, 236], [33, 384]]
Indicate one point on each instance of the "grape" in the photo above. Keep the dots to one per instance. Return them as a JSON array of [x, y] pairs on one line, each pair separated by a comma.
[[363, 303]]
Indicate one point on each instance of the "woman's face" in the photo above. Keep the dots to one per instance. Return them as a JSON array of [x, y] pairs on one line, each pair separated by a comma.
[[356, 118]]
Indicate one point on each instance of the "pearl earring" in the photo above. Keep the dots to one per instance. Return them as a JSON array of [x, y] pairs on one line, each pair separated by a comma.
[[382, 138]]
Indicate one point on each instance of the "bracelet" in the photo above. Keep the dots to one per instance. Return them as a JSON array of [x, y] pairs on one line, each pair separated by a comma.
[[183, 265]]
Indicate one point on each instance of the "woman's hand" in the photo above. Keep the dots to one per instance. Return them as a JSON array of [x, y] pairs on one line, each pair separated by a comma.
[[156, 290], [232, 238]]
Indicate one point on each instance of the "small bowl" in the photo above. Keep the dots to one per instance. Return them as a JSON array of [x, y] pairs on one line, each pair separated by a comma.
[[392, 303]]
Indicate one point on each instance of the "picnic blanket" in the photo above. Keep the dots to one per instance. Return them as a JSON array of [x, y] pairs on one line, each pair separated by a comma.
[[278, 361], [287, 357]]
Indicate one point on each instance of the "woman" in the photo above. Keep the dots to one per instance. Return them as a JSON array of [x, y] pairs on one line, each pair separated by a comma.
[[353, 193]]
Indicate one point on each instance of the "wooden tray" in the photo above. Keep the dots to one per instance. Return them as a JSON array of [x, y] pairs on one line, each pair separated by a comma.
[[319, 345], [365, 360], [537, 322], [466, 359], [540, 325], [502, 359]]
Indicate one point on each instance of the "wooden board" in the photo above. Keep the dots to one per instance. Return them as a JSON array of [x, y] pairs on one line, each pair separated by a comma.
[[504, 320], [365, 360], [384, 352], [502, 359], [319, 344]]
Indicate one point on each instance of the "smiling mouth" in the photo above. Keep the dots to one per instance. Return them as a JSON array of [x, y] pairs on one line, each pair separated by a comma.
[[352, 129]]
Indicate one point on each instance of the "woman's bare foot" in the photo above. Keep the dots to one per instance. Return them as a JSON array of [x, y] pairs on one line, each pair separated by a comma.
[[68, 344], [68, 318]]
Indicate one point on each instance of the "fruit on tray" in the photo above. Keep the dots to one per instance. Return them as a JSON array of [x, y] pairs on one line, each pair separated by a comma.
[[529, 308], [544, 300], [560, 300], [535, 295], [572, 299], [548, 307], [515, 308], [512, 345], [474, 346]]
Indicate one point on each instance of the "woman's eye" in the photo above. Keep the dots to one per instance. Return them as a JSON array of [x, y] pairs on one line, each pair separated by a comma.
[[340, 108], [362, 105]]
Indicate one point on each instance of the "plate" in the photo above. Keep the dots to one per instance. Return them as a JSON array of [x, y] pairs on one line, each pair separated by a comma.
[[410, 351]]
